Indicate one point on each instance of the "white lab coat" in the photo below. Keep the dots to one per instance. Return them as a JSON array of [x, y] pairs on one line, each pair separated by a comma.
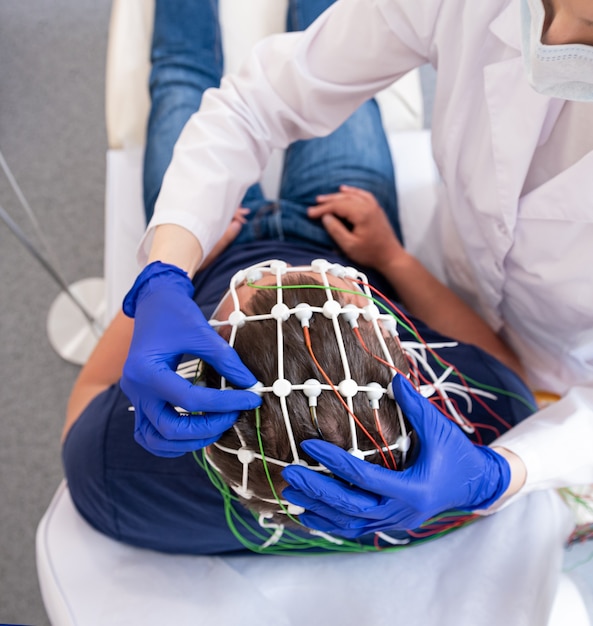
[[516, 205]]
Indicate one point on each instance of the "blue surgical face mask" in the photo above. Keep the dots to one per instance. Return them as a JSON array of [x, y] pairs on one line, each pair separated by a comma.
[[563, 71]]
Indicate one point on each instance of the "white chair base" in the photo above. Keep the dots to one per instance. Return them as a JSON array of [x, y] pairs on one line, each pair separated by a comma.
[[71, 333]]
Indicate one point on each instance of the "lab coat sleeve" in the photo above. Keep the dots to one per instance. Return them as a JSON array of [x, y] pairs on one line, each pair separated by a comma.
[[555, 444], [293, 86]]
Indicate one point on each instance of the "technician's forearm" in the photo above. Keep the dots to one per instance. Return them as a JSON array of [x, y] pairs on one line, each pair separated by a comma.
[[554, 445], [518, 473], [175, 245]]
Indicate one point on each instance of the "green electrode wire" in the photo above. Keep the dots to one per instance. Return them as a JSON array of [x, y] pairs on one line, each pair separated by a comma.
[[290, 542]]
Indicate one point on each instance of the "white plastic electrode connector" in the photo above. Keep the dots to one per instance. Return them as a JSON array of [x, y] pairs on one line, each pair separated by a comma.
[[390, 390], [403, 443], [359, 454], [300, 463], [351, 272], [237, 318], [389, 324], [348, 388], [374, 394], [303, 313], [280, 312], [282, 387], [244, 493], [370, 312], [320, 266], [312, 389], [331, 309], [254, 275], [245, 455], [295, 509], [337, 270], [257, 388], [350, 313], [238, 277], [278, 266]]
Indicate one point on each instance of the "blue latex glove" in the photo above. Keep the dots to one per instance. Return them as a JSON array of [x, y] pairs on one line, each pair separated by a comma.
[[450, 472], [168, 324]]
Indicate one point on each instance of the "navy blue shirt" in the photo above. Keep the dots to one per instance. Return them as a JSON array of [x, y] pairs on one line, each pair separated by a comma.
[[170, 505]]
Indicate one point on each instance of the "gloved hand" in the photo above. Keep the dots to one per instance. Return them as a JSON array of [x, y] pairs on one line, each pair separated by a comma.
[[168, 324], [450, 472]]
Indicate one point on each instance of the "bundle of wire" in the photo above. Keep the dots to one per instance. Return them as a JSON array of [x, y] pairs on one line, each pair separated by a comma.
[[580, 501], [384, 316]]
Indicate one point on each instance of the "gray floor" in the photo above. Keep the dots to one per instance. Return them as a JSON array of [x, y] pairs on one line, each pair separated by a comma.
[[52, 134]]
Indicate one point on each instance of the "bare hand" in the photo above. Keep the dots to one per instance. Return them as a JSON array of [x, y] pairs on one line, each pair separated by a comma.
[[359, 226], [230, 234]]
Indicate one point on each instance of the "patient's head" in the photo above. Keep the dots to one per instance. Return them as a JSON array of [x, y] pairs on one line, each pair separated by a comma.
[[306, 406]]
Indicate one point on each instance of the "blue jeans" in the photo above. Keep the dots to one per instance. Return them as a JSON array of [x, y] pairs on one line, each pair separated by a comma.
[[187, 59]]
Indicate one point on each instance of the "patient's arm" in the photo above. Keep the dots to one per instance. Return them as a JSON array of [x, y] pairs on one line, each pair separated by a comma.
[[371, 242], [103, 368]]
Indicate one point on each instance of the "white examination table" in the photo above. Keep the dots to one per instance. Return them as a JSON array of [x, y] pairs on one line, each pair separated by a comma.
[[503, 570]]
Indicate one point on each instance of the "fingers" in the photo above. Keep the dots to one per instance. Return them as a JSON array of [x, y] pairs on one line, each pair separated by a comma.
[[349, 191], [358, 192], [212, 348], [181, 392], [424, 417], [152, 440], [325, 518], [368, 476], [348, 528], [171, 425], [160, 447], [241, 214], [354, 528], [336, 204], [348, 199], [168, 386], [334, 507], [314, 491], [338, 231]]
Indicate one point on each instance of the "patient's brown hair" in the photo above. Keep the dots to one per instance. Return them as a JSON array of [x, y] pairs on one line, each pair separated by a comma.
[[256, 344]]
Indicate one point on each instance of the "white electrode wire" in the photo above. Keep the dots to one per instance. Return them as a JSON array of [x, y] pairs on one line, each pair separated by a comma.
[[280, 370], [272, 461], [231, 343], [27, 208], [403, 431], [277, 534], [95, 325], [279, 332], [245, 478], [347, 375], [49, 262], [290, 434], [386, 353], [436, 385]]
